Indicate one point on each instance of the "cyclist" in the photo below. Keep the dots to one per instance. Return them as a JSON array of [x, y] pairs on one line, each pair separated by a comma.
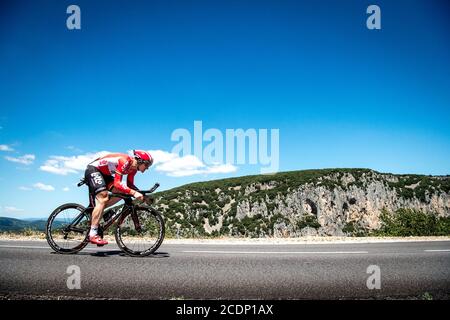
[[105, 174]]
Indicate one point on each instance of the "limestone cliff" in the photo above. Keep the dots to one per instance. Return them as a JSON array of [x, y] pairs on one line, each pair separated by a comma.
[[309, 202]]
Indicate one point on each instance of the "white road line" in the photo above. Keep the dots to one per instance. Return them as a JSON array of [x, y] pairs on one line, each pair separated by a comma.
[[277, 252], [36, 247], [24, 247], [232, 252]]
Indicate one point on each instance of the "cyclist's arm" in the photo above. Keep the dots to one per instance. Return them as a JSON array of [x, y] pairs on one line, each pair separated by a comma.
[[118, 184], [121, 186], [130, 181]]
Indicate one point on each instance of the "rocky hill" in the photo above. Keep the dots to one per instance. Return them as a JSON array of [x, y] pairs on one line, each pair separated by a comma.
[[334, 202], [11, 224]]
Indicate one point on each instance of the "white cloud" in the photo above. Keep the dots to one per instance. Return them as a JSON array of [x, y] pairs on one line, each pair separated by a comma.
[[175, 166], [12, 209], [160, 156], [24, 188], [66, 189], [44, 187], [165, 162], [26, 159], [221, 168], [4, 147], [56, 167], [64, 165]]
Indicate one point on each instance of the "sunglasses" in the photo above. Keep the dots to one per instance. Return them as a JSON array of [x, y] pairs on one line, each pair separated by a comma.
[[146, 163]]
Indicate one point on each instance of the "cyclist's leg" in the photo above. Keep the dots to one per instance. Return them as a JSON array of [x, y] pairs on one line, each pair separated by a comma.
[[100, 205], [94, 236], [113, 200], [97, 187]]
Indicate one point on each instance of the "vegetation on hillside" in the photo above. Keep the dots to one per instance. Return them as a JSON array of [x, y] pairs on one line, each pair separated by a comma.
[[186, 208], [408, 222], [17, 225]]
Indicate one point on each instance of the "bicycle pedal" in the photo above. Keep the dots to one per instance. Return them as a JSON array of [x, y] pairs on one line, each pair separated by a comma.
[[100, 245]]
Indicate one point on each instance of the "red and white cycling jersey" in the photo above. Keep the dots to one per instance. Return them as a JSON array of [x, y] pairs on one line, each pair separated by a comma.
[[117, 165]]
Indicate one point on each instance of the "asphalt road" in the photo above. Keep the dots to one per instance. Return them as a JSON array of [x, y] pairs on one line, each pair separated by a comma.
[[31, 270]]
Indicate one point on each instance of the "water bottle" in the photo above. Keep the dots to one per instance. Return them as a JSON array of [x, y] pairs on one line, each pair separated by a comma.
[[108, 214]]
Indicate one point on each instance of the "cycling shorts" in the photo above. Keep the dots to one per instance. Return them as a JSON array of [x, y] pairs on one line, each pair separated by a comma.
[[97, 181]]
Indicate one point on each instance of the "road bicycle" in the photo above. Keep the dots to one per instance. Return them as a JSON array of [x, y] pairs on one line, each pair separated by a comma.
[[139, 230]]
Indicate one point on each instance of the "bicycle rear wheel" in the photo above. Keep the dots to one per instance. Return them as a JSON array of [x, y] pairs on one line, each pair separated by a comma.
[[140, 233], [68, 228]]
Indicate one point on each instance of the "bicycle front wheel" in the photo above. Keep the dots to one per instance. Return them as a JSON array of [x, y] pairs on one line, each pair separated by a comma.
[[140, 233], [68, 228]]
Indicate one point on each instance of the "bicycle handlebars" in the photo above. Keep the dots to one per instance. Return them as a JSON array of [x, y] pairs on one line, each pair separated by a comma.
[[144, 192], [156, 186]]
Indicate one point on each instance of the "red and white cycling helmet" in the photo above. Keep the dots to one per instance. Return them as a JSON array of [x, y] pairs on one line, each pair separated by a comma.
[[143, 157]]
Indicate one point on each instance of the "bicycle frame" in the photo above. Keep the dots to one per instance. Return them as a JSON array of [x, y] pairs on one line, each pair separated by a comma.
[[128, 208]]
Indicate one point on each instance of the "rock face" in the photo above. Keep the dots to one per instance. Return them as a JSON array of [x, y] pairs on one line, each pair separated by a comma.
[[300, 203]]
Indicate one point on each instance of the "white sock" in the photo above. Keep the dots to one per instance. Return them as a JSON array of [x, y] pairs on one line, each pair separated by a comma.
[[94, 231]]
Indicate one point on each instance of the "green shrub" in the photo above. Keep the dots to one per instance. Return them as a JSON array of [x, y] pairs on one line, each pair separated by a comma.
[[408, 222], [353, 229], [349, 228], [308, 221]]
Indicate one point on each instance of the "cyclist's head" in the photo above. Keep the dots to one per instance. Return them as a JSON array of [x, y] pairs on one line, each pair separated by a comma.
[[143, 157]]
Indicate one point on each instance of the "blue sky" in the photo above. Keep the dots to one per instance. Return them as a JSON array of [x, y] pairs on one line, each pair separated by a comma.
[[339, 94]]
